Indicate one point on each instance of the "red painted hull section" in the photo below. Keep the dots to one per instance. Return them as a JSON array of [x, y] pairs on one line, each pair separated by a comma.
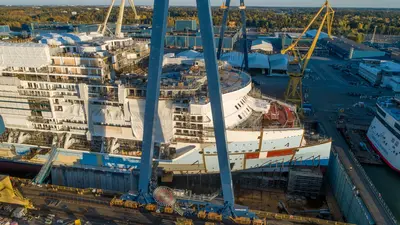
[[382, 157]]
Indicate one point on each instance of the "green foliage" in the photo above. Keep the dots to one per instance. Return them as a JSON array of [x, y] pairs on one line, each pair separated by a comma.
[[356, 36], [347, 21]]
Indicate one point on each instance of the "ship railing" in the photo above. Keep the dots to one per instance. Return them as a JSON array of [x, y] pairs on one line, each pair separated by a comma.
[[187, 127], [376, 193], [257, 128], [79, 55]]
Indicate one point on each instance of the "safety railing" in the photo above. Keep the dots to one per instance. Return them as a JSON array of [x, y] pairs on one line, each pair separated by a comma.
[[376, 193]]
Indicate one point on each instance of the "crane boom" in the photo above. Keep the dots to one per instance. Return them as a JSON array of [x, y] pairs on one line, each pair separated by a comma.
[[225, 7], [307, 56], [299, 63], [329, 26], [132, 3], [242, 8], [118, 28], [104, 26]]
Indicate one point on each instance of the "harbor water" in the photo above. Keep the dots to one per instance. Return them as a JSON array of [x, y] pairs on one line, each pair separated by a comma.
[[387, 181]]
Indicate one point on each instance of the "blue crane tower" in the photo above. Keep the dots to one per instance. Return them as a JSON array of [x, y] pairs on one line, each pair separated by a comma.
[[152, 97], [244, 43]]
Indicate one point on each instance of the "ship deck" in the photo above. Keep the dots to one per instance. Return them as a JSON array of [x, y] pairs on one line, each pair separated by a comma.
[[390, 105], [233, 80]]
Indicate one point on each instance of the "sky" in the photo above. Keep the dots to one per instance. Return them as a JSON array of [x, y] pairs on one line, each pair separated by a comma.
[[295, 3]]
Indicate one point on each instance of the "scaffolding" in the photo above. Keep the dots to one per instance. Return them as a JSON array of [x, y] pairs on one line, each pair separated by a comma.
[[305, 182]]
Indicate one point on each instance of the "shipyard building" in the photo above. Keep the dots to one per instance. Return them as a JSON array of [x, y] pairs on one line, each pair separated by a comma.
[[395, 55], [4, 30], [185, 34], [381, 73], [185, 25], [305, 42], [192, 39], [349, 49], [262, 46]]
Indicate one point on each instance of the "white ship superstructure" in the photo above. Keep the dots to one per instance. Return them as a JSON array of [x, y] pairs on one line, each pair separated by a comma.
[[80, 97], [384, 131]]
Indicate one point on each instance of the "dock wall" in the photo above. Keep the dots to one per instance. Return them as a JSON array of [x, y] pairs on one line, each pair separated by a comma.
[[351, 205], [79, 177]]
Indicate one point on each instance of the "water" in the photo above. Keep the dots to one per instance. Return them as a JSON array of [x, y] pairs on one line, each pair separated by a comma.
[[387, 181]]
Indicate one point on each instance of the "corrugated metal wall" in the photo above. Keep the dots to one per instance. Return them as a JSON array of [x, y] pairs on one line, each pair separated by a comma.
[[90, 178], [352, 206]]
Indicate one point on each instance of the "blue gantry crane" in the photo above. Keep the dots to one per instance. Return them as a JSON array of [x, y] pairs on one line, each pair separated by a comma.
[[242, 7], [225, 6], [227, 209]]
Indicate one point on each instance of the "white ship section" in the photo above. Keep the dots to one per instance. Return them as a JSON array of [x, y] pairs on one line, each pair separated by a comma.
[[384, 131], [69, 102]]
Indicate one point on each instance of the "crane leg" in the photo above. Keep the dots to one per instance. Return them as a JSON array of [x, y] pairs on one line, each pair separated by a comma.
[[244, 33], [214, 88], [132, 3], [293, 92], [118, 28], [153, 86], [104, 27], [223, 28]]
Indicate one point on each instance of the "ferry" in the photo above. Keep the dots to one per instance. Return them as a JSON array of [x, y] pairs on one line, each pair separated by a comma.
[[384, 131]]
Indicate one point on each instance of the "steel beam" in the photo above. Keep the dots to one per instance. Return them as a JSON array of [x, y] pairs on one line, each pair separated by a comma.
[[244, 33], [160, 14], [132, 3], [120, 19], [214, 90], [103, 30], [223, 28]]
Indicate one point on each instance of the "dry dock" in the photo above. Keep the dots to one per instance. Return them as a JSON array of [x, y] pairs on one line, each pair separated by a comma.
[[379, 211], [68, 204]]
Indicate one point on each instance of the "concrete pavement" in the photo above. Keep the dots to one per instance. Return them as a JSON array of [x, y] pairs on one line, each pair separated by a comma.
[[328, 92]]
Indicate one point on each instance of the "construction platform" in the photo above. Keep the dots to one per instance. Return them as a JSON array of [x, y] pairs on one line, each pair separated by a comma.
[[65, 205]]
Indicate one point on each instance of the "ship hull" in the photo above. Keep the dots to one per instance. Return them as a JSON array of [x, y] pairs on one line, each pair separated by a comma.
[[18, 168], [377, 151], [193, 162], [383, 142]]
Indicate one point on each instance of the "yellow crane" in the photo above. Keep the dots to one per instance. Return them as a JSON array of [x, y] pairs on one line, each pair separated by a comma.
[[102, 28], [10, 195], [298, 63]]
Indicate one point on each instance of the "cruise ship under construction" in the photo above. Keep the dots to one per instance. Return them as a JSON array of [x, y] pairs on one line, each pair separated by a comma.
[[85, 95]]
